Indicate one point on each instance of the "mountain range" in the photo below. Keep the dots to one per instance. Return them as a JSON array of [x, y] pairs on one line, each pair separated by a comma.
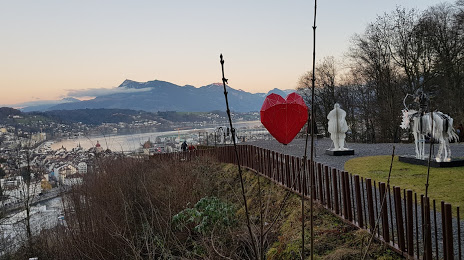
[[156, 95], [44, 105]]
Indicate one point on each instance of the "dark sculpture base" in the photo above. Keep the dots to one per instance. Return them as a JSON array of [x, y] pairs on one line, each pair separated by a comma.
[[339, 152], [455, 162]]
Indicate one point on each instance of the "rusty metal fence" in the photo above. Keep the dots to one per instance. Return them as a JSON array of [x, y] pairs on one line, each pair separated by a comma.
[[395, 216]]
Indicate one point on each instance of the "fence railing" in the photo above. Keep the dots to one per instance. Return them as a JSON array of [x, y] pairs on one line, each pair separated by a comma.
[[395, 216]]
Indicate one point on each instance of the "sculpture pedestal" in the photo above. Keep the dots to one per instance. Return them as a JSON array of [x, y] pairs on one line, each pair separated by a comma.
[[339, 152], [413, 160]]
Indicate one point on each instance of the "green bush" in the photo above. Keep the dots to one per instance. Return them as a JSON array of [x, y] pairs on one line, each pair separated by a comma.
[[208, 213]]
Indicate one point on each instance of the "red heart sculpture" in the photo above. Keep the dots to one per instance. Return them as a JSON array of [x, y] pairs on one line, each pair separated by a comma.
[[284, 118]]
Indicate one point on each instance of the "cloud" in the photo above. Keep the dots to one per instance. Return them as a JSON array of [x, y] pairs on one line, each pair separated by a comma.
[[94, 92], [41, 102], [79, 94]]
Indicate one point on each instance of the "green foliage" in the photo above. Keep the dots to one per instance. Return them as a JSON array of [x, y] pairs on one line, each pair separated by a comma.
[[208, 213], [292, 250]]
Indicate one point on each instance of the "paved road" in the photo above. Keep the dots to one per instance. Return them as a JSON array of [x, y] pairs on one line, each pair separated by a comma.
[[296, 148]]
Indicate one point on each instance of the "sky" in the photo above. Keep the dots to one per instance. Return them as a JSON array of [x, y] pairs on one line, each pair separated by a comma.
[[55, 49]]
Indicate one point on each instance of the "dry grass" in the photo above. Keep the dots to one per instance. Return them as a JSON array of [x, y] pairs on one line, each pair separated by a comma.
[[124, 211]]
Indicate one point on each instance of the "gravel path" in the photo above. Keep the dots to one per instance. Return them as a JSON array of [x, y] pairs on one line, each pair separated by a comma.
[[296, 148]]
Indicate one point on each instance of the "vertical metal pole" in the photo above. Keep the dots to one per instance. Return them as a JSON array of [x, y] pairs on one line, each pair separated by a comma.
[[224, 81], [376, 208], [332, 197], [312, 146], [410, 227], [384, 212], [298, 168], [363, 186], [417, 225], [319, 181], [357, 189], [449, 231], [370, 205], [443, 229], [343, 192], [435, 225], [426, 206], [327, 186], [459, 235], [391, 215], [352, 206], [342, 211], [335, 191], [287, 170], [399, 218], [427, 230]]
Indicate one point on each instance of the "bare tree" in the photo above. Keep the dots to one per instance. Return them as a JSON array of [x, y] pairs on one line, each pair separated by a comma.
[[444, 25], [372, 59], [23, 191], [326, 89]]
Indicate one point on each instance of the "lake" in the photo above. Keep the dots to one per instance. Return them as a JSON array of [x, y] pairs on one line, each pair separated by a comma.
[[126, 143]]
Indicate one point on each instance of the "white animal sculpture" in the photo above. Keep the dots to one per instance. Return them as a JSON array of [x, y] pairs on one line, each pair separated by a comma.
[[436, 124], [337, 127]]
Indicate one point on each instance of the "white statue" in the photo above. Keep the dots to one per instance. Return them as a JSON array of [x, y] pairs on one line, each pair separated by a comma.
[[337, 127], [435, 124]]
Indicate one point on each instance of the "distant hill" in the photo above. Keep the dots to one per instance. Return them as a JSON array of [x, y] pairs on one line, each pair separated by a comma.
[[165, 96], [5, 112], [101, 115], [11, 116], [44, 105]]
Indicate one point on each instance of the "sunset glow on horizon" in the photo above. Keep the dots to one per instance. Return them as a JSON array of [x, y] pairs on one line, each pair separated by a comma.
[[52, 48]]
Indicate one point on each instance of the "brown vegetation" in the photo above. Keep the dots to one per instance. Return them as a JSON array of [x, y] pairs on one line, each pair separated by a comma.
[[125, 210]]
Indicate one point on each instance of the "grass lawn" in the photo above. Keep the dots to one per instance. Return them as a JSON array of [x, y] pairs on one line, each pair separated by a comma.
[[446, 184]]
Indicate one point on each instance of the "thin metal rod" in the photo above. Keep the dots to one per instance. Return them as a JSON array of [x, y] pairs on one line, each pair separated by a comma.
[[313, 121], [459, 234], [426, 205], [224, 82], [381, 205]]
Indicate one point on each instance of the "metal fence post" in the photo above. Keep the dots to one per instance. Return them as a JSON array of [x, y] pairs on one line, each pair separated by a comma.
[[448, 234], [399, 218], [370, 204], [357, 189], [384, 212], [335, 191], [327, 186]]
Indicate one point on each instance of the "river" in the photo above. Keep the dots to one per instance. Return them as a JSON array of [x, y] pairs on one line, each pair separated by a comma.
[[126, 143]]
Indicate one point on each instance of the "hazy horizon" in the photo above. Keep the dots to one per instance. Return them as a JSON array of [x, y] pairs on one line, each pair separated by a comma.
[[53, 49]]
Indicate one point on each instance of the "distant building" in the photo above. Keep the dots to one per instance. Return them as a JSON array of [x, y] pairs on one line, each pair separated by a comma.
[[98, 148], [64, 171], [74, 180], [38, 137], [15, 189], [148, 144], [82, 168]]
